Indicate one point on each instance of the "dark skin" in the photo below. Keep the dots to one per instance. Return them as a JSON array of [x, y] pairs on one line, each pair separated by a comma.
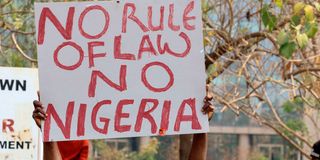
[[200, 141], [198, 149], [51, 150], [314, 158]]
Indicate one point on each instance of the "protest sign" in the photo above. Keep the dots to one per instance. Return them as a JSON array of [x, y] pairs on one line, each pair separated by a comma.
[[20, 136], [121, 68]]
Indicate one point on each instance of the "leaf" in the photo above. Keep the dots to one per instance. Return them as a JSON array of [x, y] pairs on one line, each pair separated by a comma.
[[18, 23], [279, 3], [317, 5], [206, 41], [288, 107], [287, 49], [268, 19], [295, 20], [298, 7], [317, 61], [302, 40], [204, 5], [283, 38], [311, 29], [211, 69], [296, 125], [264, 15], [211, 33], [308, 10]]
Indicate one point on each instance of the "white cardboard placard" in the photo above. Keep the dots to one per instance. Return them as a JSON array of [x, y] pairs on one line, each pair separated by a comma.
[[84, 46], [20, 137]]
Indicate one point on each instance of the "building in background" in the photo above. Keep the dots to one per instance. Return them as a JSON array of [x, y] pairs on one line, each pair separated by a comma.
[[239, 138]]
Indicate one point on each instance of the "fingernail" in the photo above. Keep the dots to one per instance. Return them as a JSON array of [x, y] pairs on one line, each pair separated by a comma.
[[162, 132]]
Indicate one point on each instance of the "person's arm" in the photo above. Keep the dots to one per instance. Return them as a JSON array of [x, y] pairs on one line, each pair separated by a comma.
[[200, 141], [84, 151], [50, 149], [199, 147]]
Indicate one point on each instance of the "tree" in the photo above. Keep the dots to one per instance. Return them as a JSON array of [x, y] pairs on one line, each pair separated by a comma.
[[262, 59], [17, 47], [105, 152]]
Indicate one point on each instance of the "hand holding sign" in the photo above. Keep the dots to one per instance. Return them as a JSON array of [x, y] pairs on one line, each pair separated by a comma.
[[38, 113]]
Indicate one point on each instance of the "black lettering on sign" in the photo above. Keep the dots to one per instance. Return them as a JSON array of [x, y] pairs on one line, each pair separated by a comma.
[[10, 85], [15, 144], [3, 144]]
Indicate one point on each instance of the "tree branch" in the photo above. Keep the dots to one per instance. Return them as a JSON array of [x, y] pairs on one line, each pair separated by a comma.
[[13, 37]]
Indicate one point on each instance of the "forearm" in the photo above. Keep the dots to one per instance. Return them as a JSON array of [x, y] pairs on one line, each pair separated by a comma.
[[84, 153], [199, 147], [51, 151]]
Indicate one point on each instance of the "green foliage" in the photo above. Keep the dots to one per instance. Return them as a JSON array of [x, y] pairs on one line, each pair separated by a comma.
[[303, 28], [257, 156], [298, 8], [269, 20], [293, 106], [279, 3], [292, 115], [167, 147], [283, 38], [295, 20], [211, 71], [12, 59], [17, 17], [106, 152], [148, 152], [302, 40], [317, 5], [309, 13], [311, 29], [287, 49], [296, 125]]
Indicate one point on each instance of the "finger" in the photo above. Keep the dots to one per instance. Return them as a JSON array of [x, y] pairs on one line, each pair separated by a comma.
[[40, 111], [206, 103], [207, 108], [210, 115], [208, 98], [38, 115], [204, 107], [37, 104]]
